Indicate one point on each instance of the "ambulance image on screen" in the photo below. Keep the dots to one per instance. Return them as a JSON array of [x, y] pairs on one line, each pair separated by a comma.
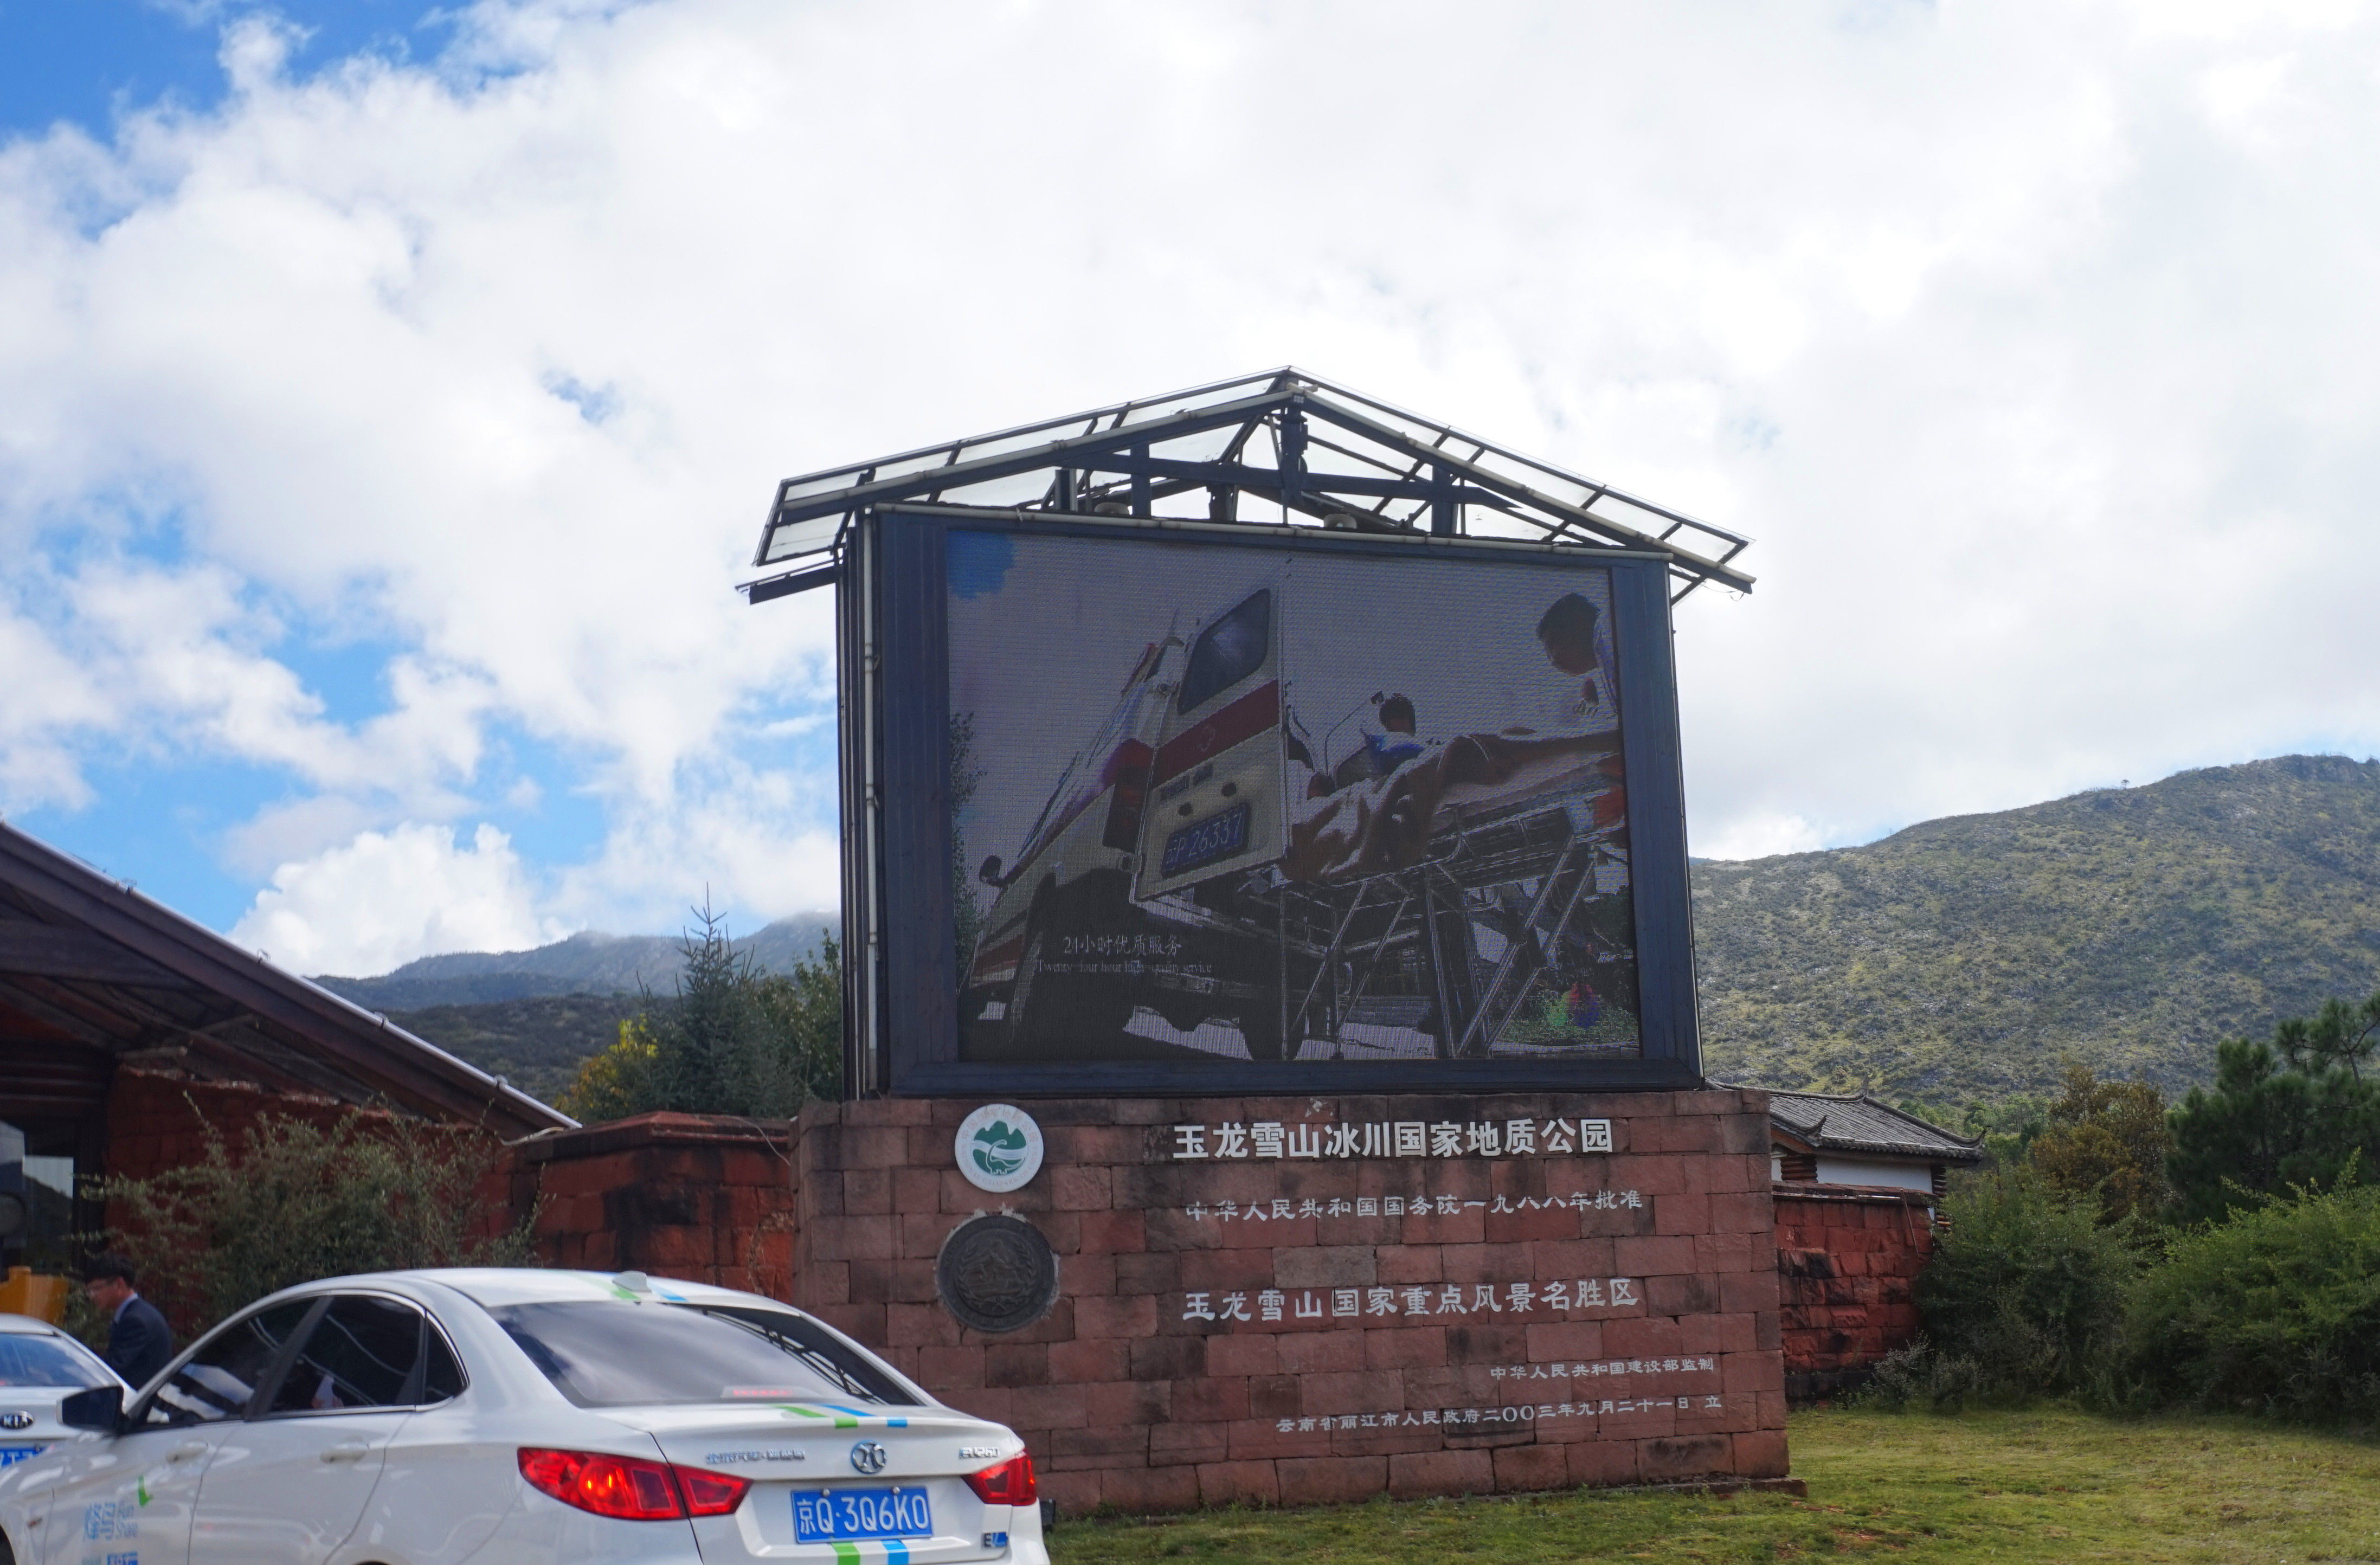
[[1207, 858]]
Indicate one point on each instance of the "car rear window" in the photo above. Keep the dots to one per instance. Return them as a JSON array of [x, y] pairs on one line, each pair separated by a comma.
[[28, 1360], [602, 1355], [1231, 648]]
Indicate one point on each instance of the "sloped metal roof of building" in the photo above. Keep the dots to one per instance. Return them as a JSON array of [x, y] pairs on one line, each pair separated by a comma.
[[1308, 452], [94, 975], [1860, 1124]]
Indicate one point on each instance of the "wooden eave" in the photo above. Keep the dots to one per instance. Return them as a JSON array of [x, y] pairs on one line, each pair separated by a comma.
[[91, 968]]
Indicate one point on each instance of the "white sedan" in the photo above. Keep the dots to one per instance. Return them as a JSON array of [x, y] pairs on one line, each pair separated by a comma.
[[435, 1417], [40, 1367]]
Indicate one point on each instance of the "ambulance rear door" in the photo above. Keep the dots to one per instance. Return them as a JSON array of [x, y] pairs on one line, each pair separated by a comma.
[[1216, 804]]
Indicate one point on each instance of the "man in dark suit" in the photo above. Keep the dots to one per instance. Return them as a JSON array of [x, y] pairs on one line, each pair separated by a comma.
[[139, 1344]]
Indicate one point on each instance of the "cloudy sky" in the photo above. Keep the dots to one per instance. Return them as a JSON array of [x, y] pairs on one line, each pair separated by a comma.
[[389, 397]]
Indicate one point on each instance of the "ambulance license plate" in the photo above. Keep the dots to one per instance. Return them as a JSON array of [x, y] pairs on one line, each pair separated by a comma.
[[1204, 841]]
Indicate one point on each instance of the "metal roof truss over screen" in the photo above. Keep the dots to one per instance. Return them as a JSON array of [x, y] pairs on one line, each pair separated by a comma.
[[1282, 446]]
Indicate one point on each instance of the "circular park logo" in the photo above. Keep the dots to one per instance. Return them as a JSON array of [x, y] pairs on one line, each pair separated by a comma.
[[999, 1147]]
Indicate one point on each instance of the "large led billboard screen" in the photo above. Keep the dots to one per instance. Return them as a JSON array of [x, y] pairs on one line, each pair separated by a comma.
[[1255, 800]]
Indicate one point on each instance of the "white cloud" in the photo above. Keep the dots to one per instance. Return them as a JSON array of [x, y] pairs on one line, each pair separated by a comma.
[[388, 897], [2018, 334]]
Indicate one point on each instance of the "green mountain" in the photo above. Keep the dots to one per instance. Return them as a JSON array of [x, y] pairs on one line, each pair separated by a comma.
[[585, 964], [2130, 928], [537, 1042]]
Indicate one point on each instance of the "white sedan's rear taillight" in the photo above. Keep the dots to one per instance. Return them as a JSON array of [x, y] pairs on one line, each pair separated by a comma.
[[1010, 1483], [630, 1488]]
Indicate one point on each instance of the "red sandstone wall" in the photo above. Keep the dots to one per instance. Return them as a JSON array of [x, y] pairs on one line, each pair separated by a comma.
[[1124, 1402], [1848, 1260], [157, 1122], [708, 1199]]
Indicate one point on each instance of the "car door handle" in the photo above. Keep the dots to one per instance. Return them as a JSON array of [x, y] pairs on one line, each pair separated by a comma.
[[188, 1451], [347, 1451]]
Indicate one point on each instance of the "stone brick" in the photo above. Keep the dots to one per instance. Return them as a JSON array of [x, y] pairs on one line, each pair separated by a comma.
[[1213, 1400], [1499, 1264], [1665, 1460], [1126, 1315], [1276, 1396], [1646, 1335], [1403, 1264], [948, 1369], [1148, 1273], [1109, 1233], [1017, 1364], [1129, 1401], [1522, 1468], [928, 1326], [1565, 1340], [1752, 1371], [1169, 1358], [1400, 1347], [1218, 1271], [1098, 1358], [1049, 1407], [1148, 1490], [1686, 1296], [1355, 1391], [1170, 1443], [1751, 1291], [1244, 1352], [1331, 1480], [1074, 1494], [1652, 1255], [867, 1192], [1415, 1475], [1237, 1483], [1313, 1352], [1096, 1446], [1079, 1188], [889, 1282], [1322, 1267], [1602, 1463]]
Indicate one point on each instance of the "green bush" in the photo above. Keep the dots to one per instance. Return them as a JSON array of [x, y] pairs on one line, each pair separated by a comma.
[[2025, 1293], [2108, 1140], [301, 1201], [2277, 1310]]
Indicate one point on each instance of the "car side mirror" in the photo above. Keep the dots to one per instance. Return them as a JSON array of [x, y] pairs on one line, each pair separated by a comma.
[[100, 1408], [988, 872]]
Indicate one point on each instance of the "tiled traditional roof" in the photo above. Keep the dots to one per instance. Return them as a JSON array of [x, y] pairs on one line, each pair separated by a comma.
[[1862, 1125]]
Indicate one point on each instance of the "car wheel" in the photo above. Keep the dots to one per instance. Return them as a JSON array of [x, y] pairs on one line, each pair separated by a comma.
[[1023, 1015], [1260, 1027]]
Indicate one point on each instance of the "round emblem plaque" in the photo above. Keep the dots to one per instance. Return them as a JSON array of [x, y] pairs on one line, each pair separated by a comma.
[[997, 1274], [999, 1147]]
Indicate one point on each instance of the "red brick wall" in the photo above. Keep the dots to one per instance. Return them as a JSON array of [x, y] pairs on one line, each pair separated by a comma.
[[1848, 1260], [708, 1199], [157, 1122], [703, 1198], [1127, 1403]]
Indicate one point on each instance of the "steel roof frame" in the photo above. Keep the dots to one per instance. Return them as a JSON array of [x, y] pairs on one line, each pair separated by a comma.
[[1110, 460]]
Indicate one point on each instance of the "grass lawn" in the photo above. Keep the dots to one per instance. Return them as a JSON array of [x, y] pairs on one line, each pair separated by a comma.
[[2046, 1484]]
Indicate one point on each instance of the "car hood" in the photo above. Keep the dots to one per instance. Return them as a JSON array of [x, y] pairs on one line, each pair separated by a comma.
[[805, 1439]]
